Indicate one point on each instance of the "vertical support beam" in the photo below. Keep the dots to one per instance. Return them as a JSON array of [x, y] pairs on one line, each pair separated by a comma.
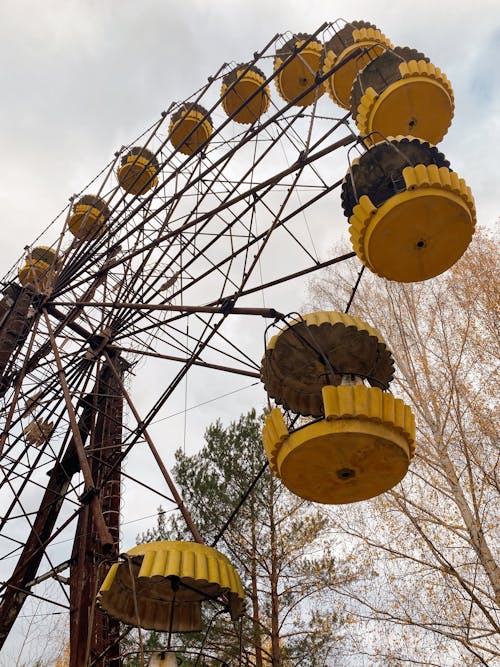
[[170, 482], [90, 489], [92, 631], [18, 384], [14, 326]]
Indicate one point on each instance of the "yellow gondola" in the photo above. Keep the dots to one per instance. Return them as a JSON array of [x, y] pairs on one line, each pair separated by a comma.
[[138, 171], [318, 350], [190, 127], [88, 218], [361, 448], [402, 93], [303, 63], [168, 584], [39, 269], [244, 96], [364, 440], [411, 217], [353, 36], [38, 431]]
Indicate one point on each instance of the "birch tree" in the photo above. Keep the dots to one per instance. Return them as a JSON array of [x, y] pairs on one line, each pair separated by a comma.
[[433, 540]]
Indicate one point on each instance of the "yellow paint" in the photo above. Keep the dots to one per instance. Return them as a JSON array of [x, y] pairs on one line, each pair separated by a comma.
[[239, 93], [204, 572], [294, 371], [190, 131], [39, 268], [300, 73], [313, 461], [361, 449], [329, 317], [419, 233], [339, 84], [420, 104], [137, 175], [274, 434], [87, 222]]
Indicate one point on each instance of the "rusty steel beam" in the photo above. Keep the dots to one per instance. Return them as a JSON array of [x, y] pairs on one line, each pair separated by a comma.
[[15, 325], [90, 492], [92, 631], [18, 587], [107, 405], [223, 310], [168, 479], [184, 360]]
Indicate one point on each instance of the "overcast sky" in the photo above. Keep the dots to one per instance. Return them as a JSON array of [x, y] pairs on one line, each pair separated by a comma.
[[80, 78]]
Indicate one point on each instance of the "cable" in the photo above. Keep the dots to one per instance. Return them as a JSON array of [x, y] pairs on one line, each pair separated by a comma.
[[240, 503], [199, 405]]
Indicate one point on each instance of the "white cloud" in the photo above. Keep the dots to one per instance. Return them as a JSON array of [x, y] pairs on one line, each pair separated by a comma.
[[80, 78]]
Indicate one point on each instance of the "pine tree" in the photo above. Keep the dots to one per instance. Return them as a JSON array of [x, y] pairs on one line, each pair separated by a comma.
[[277, 542]]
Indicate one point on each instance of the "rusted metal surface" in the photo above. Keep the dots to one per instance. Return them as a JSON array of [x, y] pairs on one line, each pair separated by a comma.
[[121, 311], [15, 324], [90, 492], [168, 479], [18, 587], [101, 414], [92, 631]]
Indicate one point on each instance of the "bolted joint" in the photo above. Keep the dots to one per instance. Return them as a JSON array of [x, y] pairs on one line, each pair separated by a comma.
[[227, 306]]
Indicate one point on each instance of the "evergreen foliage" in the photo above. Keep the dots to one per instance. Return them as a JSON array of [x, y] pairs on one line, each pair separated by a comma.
[[277, 542]]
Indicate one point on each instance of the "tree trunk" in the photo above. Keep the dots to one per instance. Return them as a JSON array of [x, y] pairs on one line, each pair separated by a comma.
[[257, 635], [275, 636], [477, 538]]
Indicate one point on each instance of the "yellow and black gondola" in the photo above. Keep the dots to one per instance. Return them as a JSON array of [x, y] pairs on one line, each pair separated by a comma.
[[400, 92], [190, 128], [297, 64], [244, 93], [88, 217], [349, 50], [411, 217], [138, 172], [363, 441], [161, 586]]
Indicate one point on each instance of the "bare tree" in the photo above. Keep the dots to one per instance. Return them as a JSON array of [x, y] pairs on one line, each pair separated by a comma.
[[432, 539]]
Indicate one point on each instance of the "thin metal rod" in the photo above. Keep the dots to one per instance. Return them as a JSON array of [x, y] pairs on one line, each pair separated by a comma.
[[102, 530], [243, 249], [170, 483], [354, 289], [182, 360], [240, 503], [229, 310], [303, 161], [248, 137], [297, 274], [207, 191], [48, 575], [136, 609], [38, 597]]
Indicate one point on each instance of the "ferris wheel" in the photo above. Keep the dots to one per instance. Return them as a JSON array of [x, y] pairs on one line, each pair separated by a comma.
[[221, 200]]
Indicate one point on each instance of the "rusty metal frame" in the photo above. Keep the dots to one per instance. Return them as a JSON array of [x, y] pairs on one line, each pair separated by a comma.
[[97, 532]]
